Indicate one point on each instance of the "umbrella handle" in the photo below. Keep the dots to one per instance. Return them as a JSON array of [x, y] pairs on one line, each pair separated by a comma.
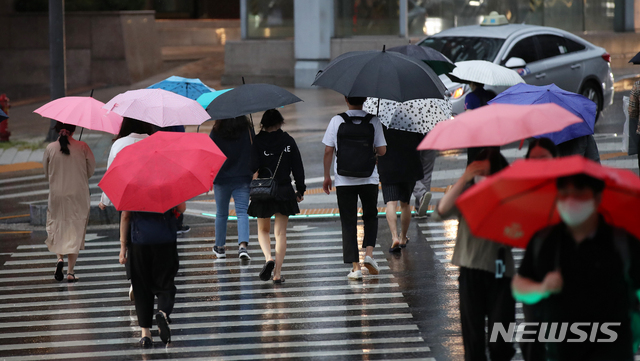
[[378, 111], [198, 130], [80, 138]]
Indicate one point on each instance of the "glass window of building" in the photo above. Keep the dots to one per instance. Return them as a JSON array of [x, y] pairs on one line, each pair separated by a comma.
[[366, 17], [270, 19]]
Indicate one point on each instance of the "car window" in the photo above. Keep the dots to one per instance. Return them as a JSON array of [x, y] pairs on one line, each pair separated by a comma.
[[465, 48], [552, 45], [573, 45], [524, 49]]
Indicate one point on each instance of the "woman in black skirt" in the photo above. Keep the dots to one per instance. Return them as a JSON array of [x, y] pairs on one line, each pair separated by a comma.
[[399, 170], [276, 151]]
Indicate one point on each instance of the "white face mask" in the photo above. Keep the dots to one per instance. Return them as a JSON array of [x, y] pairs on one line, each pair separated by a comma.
[[478, 178], [573, 212]]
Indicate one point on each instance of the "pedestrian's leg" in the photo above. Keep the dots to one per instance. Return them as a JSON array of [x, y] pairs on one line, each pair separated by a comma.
[[264, 227], [405, 221], [222, 195], [241, 201], [392, 220], [280, 231], [533, 351], [501, 310], [369, 198], [348, 206], [141, 280], [71, 260], [165, 269], [471, 290], [428, 159]]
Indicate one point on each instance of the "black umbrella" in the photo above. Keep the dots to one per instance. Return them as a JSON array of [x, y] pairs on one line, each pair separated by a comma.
[[635, 59], [435, 59], [249, 98], [381, 74]]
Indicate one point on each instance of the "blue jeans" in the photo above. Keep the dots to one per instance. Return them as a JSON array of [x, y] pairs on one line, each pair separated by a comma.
[[223, 193]]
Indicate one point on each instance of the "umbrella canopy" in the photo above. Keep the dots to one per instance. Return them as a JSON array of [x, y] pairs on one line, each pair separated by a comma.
[[496, 125], [435, 59], [484, 72], [575, 103], [3, 115], [85, 112], [381, 74], [206, 98], [187, 87], [157, 106], [635, 59], [510, 206], [418, 116], [249, 98], [162, 171]]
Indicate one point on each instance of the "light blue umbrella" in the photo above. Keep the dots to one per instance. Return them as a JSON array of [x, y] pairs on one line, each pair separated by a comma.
[[206, 98], [575, 103], [190, 88]]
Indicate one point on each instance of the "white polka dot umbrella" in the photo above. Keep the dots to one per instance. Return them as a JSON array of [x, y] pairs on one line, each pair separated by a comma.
[[418, 116]]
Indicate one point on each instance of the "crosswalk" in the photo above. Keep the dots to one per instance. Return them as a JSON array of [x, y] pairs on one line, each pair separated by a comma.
[[223, 311]]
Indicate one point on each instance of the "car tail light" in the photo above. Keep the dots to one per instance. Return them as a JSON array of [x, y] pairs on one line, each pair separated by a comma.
[[458, 93], [606, 57]]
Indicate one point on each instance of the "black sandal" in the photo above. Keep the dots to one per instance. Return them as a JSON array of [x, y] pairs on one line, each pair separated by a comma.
[[73, 278], [405, 243], [279, 281], [146, 342], [265, 274], [58, 274]]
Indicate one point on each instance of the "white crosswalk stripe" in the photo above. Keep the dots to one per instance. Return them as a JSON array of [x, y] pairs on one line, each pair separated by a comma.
[[222, 309]]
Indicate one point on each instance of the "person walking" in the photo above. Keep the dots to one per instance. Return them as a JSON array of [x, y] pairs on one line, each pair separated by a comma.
[[485, 290], [356, 138], [131, 131], [275, 154], [182, 228], [234, 138], [584, 271], [68, 164], [399, 170], [154, 265]]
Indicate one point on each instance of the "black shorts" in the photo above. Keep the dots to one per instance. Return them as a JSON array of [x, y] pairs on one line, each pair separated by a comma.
[[397, 192]]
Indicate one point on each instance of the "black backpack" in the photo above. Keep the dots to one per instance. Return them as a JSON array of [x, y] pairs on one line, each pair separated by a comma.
[[356, 156]]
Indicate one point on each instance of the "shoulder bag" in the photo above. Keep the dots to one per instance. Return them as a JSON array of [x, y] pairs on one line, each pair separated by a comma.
[[265, 189]]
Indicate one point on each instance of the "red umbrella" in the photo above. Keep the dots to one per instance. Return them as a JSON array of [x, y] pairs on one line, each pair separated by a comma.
[[510, 206], [162, 171], [496, 125]]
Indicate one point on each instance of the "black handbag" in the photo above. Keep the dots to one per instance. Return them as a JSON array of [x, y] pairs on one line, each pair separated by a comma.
[[265, 189]]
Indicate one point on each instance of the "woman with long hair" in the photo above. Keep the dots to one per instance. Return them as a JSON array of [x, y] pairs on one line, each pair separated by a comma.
[[131, 131], [68, 165], [234, 138], [486, 268], [276, 152]]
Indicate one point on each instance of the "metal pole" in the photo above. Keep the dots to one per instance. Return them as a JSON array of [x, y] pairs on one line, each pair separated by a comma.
[[58, 80], [244, 21], [404, 11]]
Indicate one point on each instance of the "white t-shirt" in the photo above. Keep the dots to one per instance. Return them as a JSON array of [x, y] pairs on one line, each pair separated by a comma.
[[331, 140], [116, 147]]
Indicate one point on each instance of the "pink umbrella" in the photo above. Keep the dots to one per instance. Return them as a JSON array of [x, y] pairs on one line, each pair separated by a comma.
[[496, 125], [159, 107], [85, 112]]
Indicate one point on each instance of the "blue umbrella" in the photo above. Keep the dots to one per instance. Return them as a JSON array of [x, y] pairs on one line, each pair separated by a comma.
[[575, 103], [190, 88], [206, 98], [3, 115]]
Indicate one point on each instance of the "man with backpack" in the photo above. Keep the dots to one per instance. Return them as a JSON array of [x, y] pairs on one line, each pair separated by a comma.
[[357, 139], [584, 273]]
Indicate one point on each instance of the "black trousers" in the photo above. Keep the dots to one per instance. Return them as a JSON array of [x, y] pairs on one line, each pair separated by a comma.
[[153, 273], [348, 206], [533, 351], [481, 294]]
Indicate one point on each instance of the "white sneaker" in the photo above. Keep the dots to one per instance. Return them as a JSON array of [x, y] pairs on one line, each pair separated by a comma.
[[131, 297], [355, 275], [371, 265], [424, 204]]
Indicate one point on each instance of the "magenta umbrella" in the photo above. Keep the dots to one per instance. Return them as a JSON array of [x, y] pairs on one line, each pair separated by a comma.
[[159, 107], [84, 112]]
